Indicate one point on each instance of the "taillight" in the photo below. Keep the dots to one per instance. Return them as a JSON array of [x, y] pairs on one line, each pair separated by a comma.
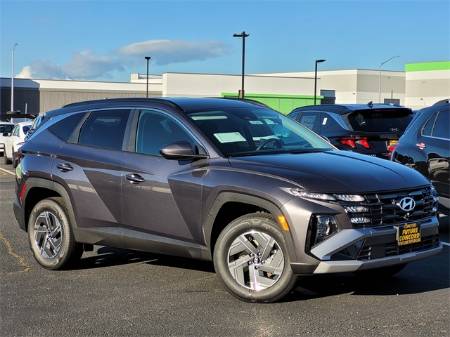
[[391, 148], [348, 141], [364, 143]]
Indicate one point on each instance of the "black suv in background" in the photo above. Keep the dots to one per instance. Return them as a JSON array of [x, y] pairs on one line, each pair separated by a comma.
[[371, 129], [425, 146], [230, 181]]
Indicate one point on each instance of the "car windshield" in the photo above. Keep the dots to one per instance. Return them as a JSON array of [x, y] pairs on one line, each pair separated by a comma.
[[254, 131]]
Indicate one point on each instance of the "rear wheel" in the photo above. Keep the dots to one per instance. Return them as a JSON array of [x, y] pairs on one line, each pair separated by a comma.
[[50, 235], [251, 259]]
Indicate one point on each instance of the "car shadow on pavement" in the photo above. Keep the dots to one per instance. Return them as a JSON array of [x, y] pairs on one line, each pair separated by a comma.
[[418, 277], [108, 256]]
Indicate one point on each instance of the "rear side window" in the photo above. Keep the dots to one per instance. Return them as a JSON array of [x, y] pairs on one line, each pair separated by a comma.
[[105, 129], [6, 128], [65, 128], [428, 127], [309, 119], [381, 120], [329, 124], [441, 127]]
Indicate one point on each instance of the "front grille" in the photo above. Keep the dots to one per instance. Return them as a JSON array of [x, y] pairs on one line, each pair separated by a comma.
[[381, 209], [376, 251]]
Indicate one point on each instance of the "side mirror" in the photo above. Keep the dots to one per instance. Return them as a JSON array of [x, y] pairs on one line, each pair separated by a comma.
[[181, 151], [6, 134]]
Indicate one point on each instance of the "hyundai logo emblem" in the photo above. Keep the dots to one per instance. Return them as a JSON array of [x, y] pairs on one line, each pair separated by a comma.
[[407, 204]]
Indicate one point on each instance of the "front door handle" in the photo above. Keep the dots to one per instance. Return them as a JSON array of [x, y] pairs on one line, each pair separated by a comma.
[[134, 178], [64, 167]]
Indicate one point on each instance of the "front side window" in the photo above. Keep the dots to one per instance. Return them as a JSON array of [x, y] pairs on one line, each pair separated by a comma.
[[441, 127], [254, 131], [156, 130], [105, 129], [25, 129]]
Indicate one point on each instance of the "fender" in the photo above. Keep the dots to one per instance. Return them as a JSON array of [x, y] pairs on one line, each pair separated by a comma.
[[33, 182], [225, 197]]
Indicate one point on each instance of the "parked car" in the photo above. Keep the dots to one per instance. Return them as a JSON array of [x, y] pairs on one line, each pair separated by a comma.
[[237, 183], [15, 141], [371, 129], [5, 131], [425, 146]]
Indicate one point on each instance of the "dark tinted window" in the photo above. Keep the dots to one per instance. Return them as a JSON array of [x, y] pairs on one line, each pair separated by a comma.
[[105, 129], [428, 127], [6, 128], [155, 131], [25, 129], [381, 120], [66, 127], [441, 127], [309, 119], [329, 124], [294, 115]]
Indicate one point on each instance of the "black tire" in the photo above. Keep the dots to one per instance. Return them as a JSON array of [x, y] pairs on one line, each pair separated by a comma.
[[260, 222], [14, 160], [70, 251], [381, 273]]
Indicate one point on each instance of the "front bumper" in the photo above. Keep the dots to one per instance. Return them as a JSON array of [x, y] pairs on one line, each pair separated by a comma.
[[366, 248]]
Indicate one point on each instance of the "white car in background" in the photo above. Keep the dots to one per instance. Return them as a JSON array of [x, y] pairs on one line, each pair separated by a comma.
[[5, 131], [15, 141]]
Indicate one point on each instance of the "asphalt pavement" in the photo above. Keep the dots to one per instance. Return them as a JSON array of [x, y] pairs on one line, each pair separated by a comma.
[[124, 293]]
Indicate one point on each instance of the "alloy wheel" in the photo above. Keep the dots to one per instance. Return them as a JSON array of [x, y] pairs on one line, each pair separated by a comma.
[[48, 235]]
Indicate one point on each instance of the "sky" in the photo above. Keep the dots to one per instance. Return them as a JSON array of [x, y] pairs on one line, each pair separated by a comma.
[[107, 40]]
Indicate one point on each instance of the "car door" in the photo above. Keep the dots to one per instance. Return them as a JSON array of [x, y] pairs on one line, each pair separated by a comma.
[[437, 148], [160, 196], [9, 144], [89, 165]]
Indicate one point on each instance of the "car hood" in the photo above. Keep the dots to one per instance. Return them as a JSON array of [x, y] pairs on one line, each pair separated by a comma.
[[334, 171]]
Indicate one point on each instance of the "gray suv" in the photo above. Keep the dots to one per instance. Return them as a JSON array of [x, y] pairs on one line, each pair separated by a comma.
[[230, 181]]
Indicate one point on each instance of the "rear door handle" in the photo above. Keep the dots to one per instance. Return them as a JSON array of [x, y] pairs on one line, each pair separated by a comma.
[[64, 167], [134, 178]]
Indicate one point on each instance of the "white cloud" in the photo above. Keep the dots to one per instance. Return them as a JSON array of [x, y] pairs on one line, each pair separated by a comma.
[[164, 52], [88, 65]]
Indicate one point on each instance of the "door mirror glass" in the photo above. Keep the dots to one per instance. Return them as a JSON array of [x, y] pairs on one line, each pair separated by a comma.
[[181, 150]]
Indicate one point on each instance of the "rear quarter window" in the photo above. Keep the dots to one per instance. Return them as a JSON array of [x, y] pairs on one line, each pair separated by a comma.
[[65, 128]]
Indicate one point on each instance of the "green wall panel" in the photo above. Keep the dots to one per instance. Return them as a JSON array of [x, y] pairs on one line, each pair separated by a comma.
[[283, 103], [428, 66]]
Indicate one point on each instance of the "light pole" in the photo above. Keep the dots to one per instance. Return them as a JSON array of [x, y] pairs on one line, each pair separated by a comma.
[[242, 35], [315, 79], [12, 76], [147, 58], [379, 75]]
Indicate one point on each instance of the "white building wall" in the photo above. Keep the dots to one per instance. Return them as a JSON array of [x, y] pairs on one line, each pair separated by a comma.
[[424, 88], [207, 85]]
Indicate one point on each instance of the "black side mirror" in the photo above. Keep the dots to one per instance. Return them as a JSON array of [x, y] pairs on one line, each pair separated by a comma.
[[181, 150]]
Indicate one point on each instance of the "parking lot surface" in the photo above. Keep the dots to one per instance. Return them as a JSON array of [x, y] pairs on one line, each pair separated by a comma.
[[123, 293]]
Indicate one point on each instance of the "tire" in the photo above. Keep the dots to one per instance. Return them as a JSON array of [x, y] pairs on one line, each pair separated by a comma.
[[381, 273], [269, 286], [44, 238], [14, 160]]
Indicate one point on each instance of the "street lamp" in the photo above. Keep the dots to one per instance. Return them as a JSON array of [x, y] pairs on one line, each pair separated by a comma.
[[242, 35], [379, 76], [315, 79], [12, 76], [147, 58]]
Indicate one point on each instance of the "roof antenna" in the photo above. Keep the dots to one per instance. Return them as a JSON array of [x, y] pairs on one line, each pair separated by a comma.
[[370, 104]]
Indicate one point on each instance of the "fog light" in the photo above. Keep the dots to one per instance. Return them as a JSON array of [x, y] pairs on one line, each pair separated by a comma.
[[325, 225]]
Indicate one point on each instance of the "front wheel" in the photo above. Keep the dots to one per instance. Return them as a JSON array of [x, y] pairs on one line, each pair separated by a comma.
[[251, 259], [50, 235]]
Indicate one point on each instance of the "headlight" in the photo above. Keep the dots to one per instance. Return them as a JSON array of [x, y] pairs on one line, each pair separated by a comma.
[[321, 227], [324, 196]]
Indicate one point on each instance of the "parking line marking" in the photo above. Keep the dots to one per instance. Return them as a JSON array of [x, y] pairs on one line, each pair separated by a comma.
[[20, 260], [7, 171], [445, 243]]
